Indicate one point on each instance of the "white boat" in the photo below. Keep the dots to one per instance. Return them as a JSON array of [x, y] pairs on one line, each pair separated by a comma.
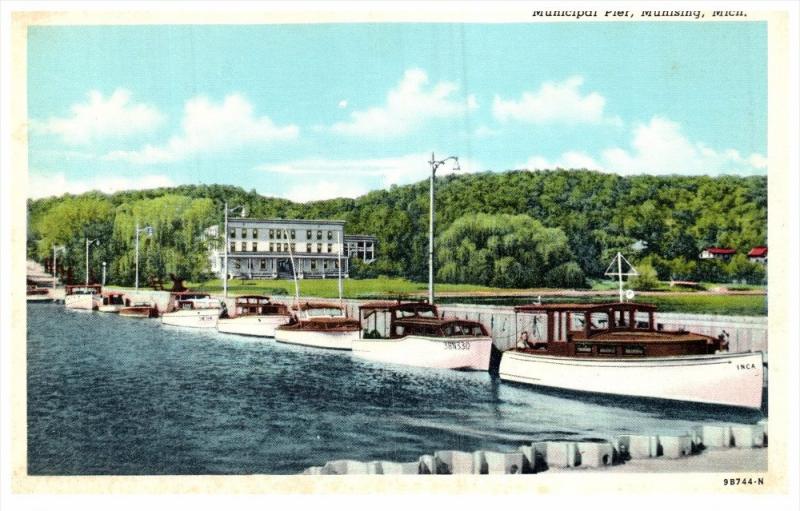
[[320, 325], [112, 301], [255, 316], [417, 336], [85, 297], [617, 349], [193, 310], [38, 294]]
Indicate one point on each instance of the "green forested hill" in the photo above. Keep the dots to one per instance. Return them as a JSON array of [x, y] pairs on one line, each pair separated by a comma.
[[594, 213]]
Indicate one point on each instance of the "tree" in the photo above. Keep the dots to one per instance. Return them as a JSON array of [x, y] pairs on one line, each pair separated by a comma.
[[647, 278]]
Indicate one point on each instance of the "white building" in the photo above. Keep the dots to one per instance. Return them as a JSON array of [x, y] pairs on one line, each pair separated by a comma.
[[264, 248]]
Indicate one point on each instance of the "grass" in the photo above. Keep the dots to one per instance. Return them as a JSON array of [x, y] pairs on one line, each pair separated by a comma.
[[328, 288], [671, 301]]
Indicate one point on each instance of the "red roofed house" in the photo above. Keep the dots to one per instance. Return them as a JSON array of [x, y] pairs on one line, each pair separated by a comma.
[[717, 253], [758, 255]]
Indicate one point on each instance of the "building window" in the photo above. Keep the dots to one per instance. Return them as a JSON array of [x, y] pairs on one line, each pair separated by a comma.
[[292, 233], [232, 247], [263, 264], [330, 235], [271, 233], [308, 234], [330, 248], [255, 247], [325, 265], [319, 235], [244, 233], [293, 247], [308, 247], [272, 247], [255, 234], [237, 264], [313, 265], [232, 234], [285, 247], [319, 247]]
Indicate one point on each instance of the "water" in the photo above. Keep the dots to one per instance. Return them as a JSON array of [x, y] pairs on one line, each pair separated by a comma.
[[112, 395]]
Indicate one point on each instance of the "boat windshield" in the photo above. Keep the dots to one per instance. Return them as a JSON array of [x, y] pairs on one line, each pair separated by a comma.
[[420, 313]]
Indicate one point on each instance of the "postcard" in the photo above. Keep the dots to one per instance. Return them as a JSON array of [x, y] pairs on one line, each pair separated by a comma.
[[459, 248]]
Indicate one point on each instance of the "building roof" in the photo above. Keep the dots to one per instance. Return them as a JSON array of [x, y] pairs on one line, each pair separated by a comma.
[[757, 252], [283, 221], [720, 251]]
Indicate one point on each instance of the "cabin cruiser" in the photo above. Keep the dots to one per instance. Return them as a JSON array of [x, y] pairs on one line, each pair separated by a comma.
[[84, 297], [139, 310], [194, 310], [255, 315], [617, 348], [320, 325], [415, 335], [112, 301], [37, 294]]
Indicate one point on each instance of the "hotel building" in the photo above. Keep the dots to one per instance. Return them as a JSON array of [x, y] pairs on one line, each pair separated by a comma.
[[264, 248]]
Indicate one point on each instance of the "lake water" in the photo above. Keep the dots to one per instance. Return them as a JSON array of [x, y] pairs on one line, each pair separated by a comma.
[[112, 395]]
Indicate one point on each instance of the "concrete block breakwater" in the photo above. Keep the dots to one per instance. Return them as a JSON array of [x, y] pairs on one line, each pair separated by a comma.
[[541, 456]]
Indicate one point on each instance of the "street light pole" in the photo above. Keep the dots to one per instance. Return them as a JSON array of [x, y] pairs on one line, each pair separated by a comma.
[[96, 241], [225, 268], [149, 231], [56, 249], [435, 164]]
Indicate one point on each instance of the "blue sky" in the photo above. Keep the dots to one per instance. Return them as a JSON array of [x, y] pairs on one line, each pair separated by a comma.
[[326, 110]]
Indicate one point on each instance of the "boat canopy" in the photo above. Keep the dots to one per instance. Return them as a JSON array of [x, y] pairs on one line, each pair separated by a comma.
[[257, 305], [82, 289], [399, 310], [304, 306], [437, 327]]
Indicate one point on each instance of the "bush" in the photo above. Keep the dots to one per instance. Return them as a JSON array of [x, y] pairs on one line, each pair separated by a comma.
[[647, 278], [567, 275]]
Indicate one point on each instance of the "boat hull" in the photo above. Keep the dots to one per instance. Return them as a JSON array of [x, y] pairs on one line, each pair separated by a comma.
[[257, 326], [40, 299], [732, 379], [110, 308], [434, 352], [331, 340], [192, 318], [138, 312], [83, 302]]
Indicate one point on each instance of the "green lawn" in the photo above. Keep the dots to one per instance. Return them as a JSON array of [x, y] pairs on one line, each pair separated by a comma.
[[671, 301], [328, 288]]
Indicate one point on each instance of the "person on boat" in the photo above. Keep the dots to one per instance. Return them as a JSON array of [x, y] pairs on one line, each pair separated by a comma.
[[523, 343]]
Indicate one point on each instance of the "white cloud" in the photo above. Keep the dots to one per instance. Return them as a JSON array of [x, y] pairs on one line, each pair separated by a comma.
[[398, 170], [211, 127], [555, 103], [322, 190], [408, 105], [102, 118], [343, 103], [57, 184], [658, 147], [484, 131]]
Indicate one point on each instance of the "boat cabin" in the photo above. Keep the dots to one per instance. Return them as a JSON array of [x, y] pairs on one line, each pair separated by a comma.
[[312, 310], [413, 318], [607, 330], [254, 305], [91, 289], [115, 298], [192, 300]]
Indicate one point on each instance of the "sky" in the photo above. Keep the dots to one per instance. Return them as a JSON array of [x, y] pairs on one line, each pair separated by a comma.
[[316, 111]]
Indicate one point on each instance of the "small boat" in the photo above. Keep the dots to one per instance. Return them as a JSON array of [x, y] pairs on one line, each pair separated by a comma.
[[255, 315], [320, 325], [195, 310], [84, 297], [139, 310], [38, 294], [112, 301], [417, 336], [617, 348]]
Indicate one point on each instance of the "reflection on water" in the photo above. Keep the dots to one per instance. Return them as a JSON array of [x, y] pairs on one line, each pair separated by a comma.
[[112, 395]]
